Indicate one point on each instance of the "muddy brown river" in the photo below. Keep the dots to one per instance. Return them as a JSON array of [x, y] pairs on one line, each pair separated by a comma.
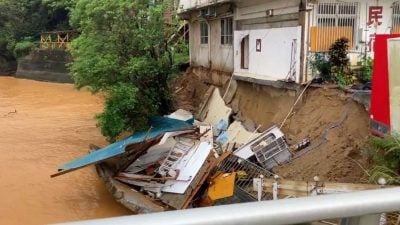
[[43, 125]]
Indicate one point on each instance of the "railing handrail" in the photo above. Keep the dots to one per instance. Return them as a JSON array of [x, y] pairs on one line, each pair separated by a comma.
[[288, 211]]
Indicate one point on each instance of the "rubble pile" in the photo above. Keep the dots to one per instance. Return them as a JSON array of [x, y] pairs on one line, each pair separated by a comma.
[[180, 162]]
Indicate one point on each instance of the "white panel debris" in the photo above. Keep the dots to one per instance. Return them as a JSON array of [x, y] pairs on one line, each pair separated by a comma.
[[216, 110], [238, 134], [195, 160], [181, 114]]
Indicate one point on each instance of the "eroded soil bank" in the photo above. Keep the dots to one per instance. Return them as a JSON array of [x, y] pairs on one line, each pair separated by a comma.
[[341, 157], [43, 125]]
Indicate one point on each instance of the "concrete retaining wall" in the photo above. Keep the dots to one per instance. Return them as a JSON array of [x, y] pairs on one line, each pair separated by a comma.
[[45, 65]]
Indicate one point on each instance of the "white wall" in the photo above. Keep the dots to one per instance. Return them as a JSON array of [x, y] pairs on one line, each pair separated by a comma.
[[250, 9], [273, 62], [394, 84]]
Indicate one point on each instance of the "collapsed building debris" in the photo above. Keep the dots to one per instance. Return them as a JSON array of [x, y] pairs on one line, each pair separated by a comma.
[[270, 149], [181, 163]]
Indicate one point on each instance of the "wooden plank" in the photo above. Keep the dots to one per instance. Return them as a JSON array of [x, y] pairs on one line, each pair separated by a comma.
[[303, 188]]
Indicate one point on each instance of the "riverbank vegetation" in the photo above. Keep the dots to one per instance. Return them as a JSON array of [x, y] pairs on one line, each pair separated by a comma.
[[21, 23], [127, 50]]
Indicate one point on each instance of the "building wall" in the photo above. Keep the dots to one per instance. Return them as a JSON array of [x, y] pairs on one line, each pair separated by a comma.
[[252, 9], [274, 59], [198, 52], [364, 36], [277, 34], [213, 55]]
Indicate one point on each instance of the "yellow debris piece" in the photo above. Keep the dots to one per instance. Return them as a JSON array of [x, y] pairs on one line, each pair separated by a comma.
[[222, 186], [242, 174]]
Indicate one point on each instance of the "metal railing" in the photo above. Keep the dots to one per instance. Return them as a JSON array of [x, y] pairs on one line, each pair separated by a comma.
[[333, 21], [56, 39], [287, 211]]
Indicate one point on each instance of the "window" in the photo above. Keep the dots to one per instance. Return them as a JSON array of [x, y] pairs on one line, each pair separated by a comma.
[[396, 18], [332, 21], [226, 31], [342, 14], [203, 32]]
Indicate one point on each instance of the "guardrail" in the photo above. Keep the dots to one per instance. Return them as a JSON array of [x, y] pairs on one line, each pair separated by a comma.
[[287, 211]]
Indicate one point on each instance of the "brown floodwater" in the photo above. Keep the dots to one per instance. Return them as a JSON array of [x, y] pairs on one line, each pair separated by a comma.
[[43, 125]]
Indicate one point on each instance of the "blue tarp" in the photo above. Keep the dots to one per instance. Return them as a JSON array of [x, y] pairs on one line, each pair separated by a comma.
[[160, 125]]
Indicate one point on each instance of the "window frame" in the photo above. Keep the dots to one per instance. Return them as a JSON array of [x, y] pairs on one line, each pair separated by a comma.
[[204, 34], [334, 14], [226, 31]]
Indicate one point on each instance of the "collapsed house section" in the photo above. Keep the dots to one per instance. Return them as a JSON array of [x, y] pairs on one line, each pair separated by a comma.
[[182, 163]]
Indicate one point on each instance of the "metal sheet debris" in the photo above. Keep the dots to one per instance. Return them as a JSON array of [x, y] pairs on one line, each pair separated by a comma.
[[159, 125]]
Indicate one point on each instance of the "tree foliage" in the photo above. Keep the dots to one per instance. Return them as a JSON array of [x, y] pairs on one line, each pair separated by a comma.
[[124, 110], [125, 50], [24, 20]]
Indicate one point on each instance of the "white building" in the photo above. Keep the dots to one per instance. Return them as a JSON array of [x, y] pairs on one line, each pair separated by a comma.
[[272, 40]]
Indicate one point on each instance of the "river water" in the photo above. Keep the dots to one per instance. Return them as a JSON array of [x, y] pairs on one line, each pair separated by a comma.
[[43, 125]]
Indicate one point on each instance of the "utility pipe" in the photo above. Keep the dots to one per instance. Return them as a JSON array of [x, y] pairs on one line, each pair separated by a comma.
[[287, 211]]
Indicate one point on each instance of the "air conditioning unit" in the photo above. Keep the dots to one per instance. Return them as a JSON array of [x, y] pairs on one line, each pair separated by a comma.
[[208, 12], [270, 149]]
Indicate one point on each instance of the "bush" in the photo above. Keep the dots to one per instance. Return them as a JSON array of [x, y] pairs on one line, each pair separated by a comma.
[[23, 48], [366, 69], [385, 154], [321, 64], [338, 54], [125, 108]]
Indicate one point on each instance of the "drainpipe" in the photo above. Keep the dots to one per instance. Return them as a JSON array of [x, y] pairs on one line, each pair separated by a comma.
[[209, 44]]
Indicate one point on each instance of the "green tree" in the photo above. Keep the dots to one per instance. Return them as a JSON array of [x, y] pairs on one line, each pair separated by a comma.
[[124, 49], [22, 21]]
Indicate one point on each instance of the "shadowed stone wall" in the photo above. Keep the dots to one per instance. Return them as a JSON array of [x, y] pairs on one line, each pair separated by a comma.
[[45, 65]]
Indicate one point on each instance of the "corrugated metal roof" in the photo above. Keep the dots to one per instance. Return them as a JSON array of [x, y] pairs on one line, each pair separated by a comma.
[[159, 125]]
